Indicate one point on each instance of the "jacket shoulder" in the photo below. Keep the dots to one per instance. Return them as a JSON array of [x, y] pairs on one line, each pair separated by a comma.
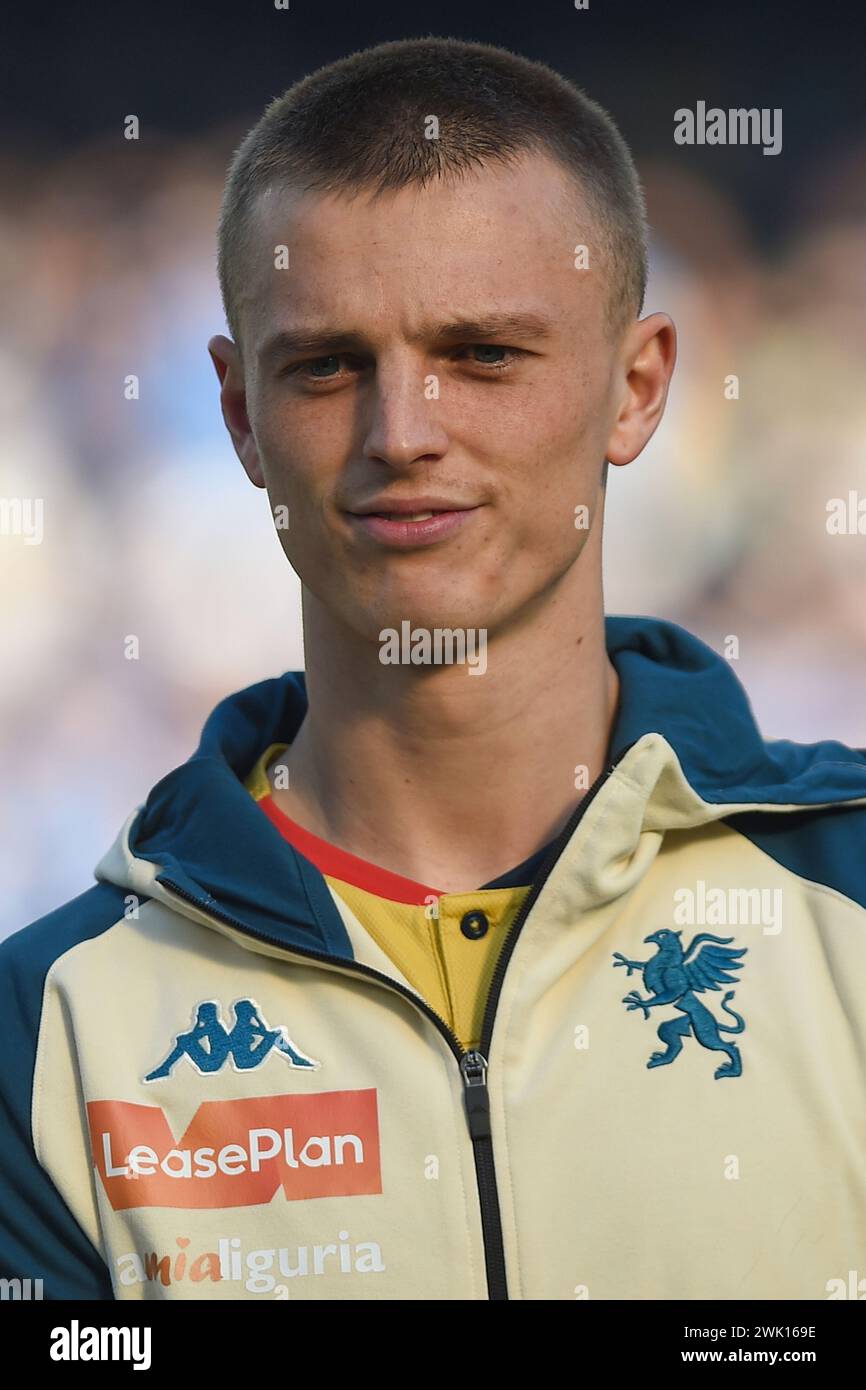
[[39, 1237], [823, 839], [27, 955]]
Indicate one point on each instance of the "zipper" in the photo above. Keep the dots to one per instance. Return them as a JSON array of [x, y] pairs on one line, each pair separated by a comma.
[[472, 1062], [475, 1070]]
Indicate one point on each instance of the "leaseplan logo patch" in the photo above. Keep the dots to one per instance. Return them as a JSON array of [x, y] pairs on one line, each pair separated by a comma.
[[209, 1044], [238, 1153]]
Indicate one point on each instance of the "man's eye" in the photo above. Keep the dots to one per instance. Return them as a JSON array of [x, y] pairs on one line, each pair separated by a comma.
[[332, 358], [494, 348], [316, 368]]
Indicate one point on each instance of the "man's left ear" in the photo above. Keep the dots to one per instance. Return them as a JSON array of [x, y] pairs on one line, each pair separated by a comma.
[[648, 356]]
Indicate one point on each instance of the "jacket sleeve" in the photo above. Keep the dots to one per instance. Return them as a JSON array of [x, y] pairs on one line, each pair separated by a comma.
[[39, 1237]]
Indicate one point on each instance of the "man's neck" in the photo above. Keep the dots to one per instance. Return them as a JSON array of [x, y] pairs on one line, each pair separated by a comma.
[[442, 776]]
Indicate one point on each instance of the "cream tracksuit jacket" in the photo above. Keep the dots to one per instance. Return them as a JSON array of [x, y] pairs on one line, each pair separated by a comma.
[[215, 1084]]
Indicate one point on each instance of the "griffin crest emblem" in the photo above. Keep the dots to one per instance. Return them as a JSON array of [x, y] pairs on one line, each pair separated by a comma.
[[676, 977]]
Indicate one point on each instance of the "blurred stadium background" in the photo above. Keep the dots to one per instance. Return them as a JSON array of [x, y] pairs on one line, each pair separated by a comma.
[[107, 266]]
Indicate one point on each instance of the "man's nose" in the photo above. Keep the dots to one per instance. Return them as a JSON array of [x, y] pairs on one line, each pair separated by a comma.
[[403, 420]]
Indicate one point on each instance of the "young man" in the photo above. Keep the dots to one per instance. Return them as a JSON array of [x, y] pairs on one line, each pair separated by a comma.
[[497, 955]]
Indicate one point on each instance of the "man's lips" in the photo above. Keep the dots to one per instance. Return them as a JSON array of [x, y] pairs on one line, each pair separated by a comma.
[[399, 532], [387, 504]]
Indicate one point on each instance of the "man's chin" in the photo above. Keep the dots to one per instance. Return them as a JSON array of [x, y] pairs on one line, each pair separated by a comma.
[[413, 622]]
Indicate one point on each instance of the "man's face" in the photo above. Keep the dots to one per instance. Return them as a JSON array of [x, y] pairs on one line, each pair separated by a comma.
[[395, 408]]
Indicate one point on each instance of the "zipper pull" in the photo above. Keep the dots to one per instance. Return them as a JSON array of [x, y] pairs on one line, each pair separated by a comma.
[[473, 1068]]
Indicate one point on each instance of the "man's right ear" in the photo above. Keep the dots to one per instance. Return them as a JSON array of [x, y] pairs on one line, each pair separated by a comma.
[[233, 402]]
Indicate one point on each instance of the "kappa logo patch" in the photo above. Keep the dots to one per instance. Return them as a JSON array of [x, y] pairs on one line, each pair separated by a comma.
[[676, 977], [238, 1153], [209, 1044]]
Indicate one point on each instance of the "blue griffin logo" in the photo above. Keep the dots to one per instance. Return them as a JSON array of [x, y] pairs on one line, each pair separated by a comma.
[[674, 976]]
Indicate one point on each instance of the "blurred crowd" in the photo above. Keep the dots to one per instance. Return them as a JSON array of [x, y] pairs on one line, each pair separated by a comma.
[[108, 268]]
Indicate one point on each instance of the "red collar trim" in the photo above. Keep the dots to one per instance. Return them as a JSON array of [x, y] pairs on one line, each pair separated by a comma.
[[350, 868]]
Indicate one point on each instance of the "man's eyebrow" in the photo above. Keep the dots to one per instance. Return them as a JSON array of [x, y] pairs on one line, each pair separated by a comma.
[[290, 341], [323, 341], [514, 325]]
